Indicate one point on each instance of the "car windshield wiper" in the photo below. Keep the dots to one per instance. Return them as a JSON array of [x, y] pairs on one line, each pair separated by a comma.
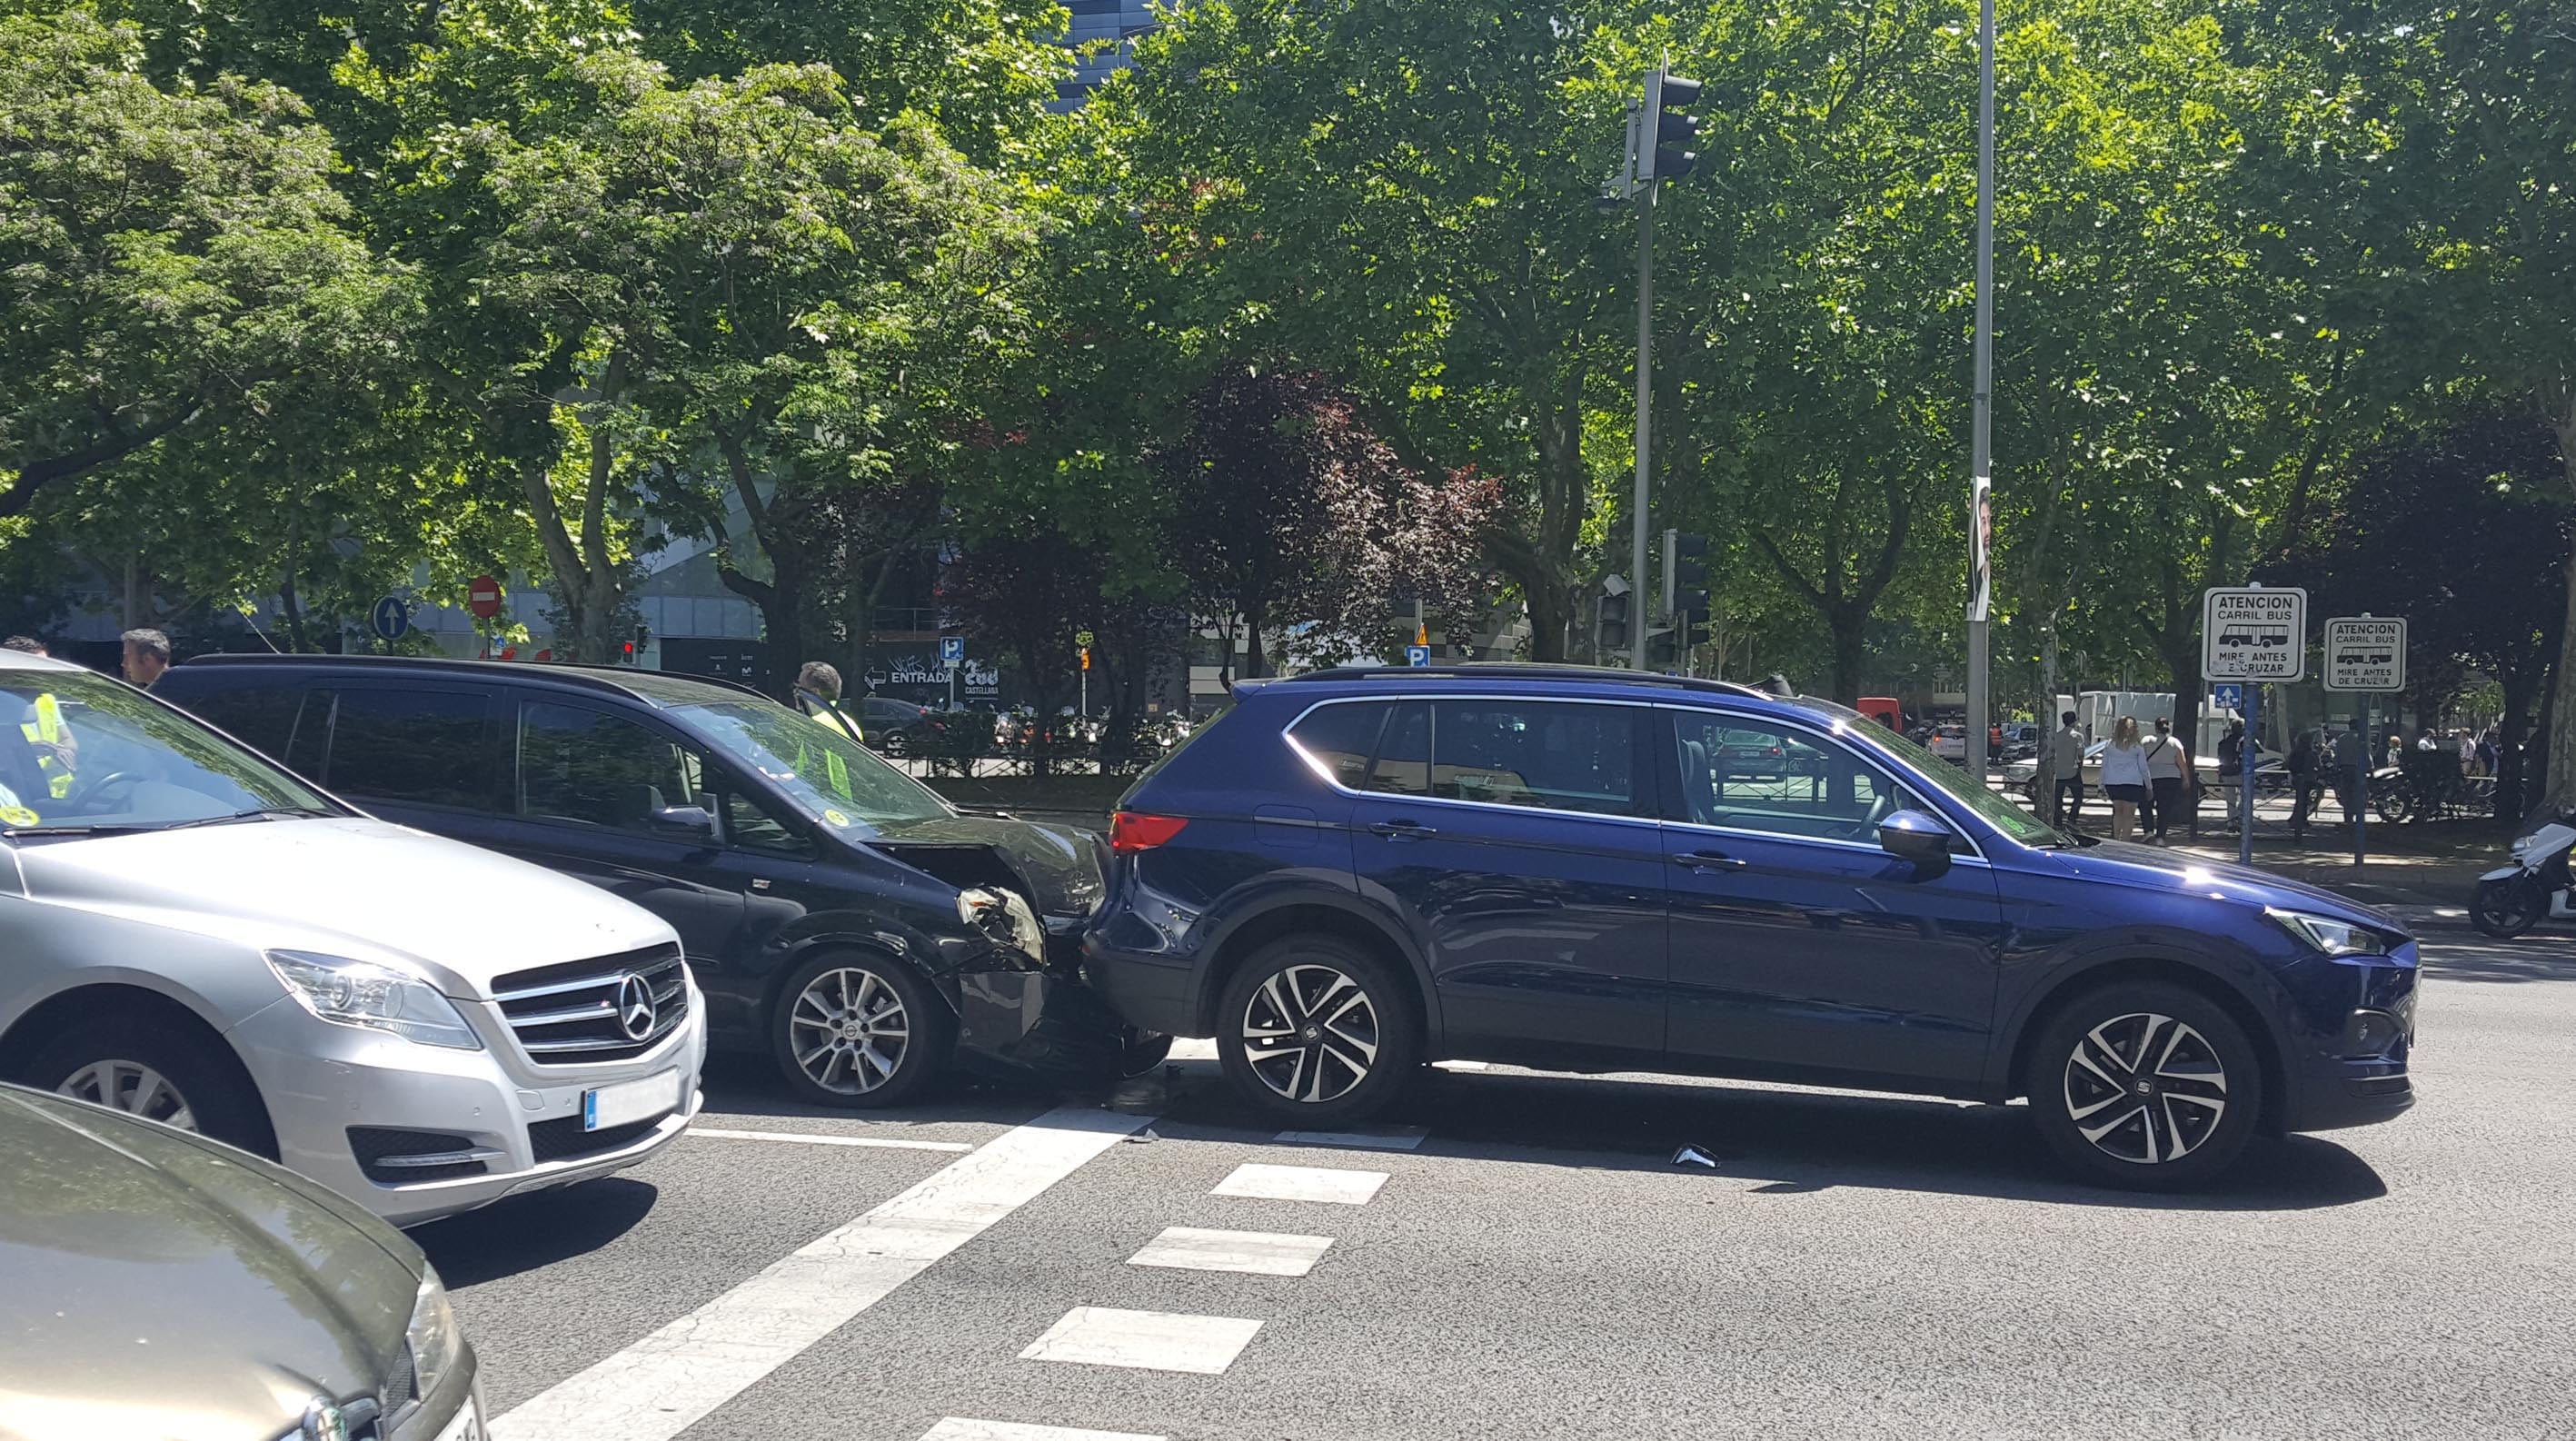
[[263, 813], [130, 828]]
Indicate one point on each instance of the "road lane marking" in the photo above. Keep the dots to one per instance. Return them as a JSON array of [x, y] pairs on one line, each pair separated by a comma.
[[1252, 1253], [799, 1138], [960, 1428], [668, 1381], [1459, 1065], [1144, 1340], [1193, 1049], [1394, 1138], [1301, 1183]]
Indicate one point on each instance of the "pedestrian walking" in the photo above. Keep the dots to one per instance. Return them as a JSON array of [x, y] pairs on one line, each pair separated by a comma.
[[2347, 759], [2468, 748], [2303, 781], [2168, 781], [2066, 763], [2487, 754], [2231, 769], [2124, 777]]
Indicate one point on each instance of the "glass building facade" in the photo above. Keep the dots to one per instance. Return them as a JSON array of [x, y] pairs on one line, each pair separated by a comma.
[[1118, 22]]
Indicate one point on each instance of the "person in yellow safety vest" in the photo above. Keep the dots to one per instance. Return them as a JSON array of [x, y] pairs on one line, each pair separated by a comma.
[[818, 691], [48, 735]]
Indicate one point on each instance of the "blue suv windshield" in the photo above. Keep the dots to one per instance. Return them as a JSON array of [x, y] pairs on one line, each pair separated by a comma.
[[1949, 776]]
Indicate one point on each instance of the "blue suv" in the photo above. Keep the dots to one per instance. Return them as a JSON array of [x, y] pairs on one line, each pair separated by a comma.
[[1358, 871]]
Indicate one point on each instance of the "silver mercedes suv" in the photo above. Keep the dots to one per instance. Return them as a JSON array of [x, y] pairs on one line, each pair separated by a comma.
[[190, 934]]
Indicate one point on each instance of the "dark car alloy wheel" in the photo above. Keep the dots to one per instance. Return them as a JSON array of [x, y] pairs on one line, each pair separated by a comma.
[[2145, 1089], [1310, 1033], [850, 1030]]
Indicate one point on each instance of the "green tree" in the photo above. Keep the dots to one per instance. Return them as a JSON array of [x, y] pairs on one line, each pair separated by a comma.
[[769, 290], [172, 258]]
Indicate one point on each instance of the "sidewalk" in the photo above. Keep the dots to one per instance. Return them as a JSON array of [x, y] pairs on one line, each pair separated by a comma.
[[2431, 865]]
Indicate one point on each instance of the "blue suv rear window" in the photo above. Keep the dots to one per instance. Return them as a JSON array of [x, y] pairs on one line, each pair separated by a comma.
[[1338, 739]]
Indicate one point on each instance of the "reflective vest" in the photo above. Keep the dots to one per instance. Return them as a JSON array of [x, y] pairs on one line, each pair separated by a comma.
[[44, 733]]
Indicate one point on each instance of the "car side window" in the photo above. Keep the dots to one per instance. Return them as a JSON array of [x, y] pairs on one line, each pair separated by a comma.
[[750, 826], [1754, 775], [1403, 766], [1551, 755], [1338, 739], [259, 716], [417, 747], [591, 768]]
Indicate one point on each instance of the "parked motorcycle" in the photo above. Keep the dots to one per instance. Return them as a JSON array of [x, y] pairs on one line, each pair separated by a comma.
[[2512, 899]]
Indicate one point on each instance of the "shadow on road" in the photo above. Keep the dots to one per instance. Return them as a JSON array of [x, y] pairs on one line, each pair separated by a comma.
[[526, 1232], [1798, 1142], [751, 1086]]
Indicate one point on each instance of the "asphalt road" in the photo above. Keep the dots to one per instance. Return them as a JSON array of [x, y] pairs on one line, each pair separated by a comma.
[[1534, 1265]]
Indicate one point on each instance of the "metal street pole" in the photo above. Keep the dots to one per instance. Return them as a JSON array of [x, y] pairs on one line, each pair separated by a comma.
[[1639, 616], [1981, 463]]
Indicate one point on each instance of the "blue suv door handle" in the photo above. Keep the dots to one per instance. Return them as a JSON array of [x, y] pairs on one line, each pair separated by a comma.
[[1402, 830], [1709, 861]]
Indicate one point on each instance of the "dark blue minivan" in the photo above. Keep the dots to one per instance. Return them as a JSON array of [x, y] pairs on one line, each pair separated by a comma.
[[1357, 871]]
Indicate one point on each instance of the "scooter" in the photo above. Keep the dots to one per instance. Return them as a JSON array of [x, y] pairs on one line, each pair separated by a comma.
[[2512, 899]]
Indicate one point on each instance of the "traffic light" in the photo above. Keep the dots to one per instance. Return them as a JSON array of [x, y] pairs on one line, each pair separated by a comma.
[[1664, 153], [1614, 618], [1685, 574]]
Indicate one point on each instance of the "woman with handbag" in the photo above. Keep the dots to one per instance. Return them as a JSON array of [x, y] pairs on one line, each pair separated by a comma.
[[2124, 777]]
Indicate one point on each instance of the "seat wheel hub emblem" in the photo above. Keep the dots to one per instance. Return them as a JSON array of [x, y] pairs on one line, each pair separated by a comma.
[[1313, 1033], [634, 1007]]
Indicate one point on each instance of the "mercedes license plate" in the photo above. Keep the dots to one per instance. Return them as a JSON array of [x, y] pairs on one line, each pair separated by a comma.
[[630, 1101]]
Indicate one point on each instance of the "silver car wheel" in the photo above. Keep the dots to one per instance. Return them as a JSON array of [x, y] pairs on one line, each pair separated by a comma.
[[1310, 1033], [2145, 1089], [849, 1030], [131, 1087]]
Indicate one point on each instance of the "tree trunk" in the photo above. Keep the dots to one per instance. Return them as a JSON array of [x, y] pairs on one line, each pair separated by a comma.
[[2561, 732], [1847, 624], [293, 609], [2518, 687]]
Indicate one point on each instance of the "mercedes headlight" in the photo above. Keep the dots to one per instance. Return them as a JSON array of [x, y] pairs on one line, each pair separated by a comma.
[[2330, 937], [437, 1346], [370, 994]]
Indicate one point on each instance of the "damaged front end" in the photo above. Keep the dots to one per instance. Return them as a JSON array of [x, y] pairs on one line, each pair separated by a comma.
[[1014, 970]]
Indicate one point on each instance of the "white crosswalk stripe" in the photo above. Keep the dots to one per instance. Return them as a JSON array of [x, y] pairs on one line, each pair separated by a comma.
[[1251, 1253], [798, 1138], [960, 1428], [665, 1383], [1144, 1340], [1301, 1183]]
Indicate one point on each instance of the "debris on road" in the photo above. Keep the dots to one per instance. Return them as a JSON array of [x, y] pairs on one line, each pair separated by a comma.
[[1694, 1156]]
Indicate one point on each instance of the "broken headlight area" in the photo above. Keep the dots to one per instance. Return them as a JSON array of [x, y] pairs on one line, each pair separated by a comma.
[[1004, 918]]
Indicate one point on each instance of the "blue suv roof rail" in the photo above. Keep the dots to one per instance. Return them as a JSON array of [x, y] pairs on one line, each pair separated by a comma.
[[1523, 671]]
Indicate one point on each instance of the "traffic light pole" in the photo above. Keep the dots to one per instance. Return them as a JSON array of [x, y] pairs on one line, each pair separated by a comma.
[[1638, 620]]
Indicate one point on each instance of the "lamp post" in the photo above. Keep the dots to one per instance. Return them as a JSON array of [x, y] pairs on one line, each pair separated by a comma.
[[1981, 462]]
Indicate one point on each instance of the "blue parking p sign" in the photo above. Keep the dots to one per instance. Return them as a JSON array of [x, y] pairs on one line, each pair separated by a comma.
[[1417, 655], [952, 649], [2227, 697]]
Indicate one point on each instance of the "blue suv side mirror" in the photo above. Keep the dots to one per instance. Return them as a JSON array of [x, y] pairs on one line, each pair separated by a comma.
[[1914, 836]]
